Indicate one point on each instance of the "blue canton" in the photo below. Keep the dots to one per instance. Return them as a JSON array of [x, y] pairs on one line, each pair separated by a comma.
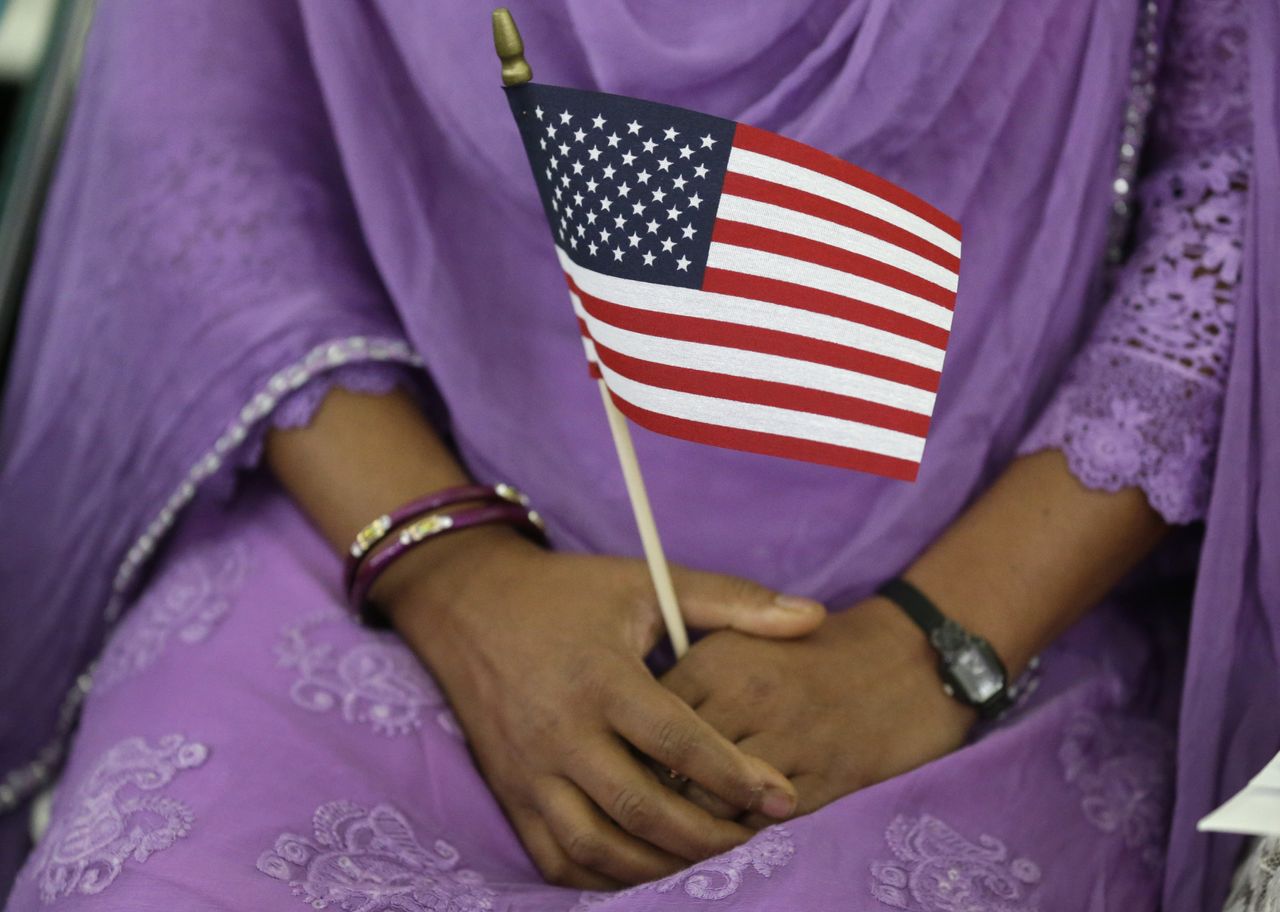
[[630, 187]]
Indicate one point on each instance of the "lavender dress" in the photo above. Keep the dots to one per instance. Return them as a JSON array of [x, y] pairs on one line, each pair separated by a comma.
[[261, 200]]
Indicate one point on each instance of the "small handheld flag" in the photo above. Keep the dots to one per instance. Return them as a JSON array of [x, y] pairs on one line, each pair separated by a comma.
[[737, 288], [740, 289]]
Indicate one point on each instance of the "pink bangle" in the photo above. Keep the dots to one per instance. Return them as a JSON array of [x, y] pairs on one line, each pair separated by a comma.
[[369, 537], [429, 527]]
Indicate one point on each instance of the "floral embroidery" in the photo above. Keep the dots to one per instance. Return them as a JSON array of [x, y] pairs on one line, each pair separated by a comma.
[[716, 878], [112, 817], [1257, 882], [1121, 767], [378, 681], [186, 604], [370, 861], [938, 870]]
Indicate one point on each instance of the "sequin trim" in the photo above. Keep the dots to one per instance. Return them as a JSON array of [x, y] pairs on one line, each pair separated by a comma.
[[20, 783]]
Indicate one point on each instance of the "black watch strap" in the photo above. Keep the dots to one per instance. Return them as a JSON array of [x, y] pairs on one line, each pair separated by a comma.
[[915, 603], [959, 651]]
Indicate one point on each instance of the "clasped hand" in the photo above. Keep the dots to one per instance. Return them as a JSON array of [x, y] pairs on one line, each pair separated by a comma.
[[774, 712]]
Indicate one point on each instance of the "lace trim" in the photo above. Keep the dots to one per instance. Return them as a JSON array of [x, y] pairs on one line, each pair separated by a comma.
[[20, 783]]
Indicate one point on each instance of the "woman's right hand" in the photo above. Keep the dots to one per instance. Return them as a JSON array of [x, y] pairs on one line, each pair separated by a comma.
[[542, 658]]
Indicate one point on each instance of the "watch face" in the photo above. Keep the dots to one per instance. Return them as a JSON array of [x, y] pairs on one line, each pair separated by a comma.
[[975, 675]]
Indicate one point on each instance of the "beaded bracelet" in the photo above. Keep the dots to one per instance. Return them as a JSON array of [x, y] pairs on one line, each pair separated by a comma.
[[371, 535], [428, 527]]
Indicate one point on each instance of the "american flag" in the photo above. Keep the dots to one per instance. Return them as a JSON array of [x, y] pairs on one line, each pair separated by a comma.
[[740, 289]]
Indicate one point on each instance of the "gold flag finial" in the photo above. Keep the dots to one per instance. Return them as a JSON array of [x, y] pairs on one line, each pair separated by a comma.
[[506, 40]]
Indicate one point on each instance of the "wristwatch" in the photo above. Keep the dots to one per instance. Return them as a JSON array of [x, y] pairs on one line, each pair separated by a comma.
[[971, 671]]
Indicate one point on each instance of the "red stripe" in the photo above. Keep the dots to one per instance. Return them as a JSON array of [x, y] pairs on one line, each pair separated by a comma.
[[805, 297], [770, 444], [766, 341], [765, 191], [790, 245], [592, 368], [764, 392], [754, 139]]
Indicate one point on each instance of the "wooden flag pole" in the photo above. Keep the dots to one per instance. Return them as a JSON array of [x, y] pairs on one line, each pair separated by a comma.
[[516, 71]]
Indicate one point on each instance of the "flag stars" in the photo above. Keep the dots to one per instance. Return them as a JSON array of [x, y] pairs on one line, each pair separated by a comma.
[[707, 141], [617, 253], [565, 117], [592, 247], [683, 264], [606, 204], [591, 218], [598, 123], [593, 153], [591, 185], [664, 164], [653, 226], [604, 234], [564, 149], [659, 195], [620, 221], [564, 179], [577, 167], [688, 231], [628, 158], [649, 258], [623, 189], [670, 134], [538, 112], [700, 171], [685, 151], [679, 183], [667, 244], [613, 140], [637, 208], [695, 201], [634, 239], [609, 172], [579, 134], [643, 177], [633, 128], [551, 129], [673, 213], [649, 145], [577, 198]]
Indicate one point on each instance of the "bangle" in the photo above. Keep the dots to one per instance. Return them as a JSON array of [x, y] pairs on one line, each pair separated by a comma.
[[371, 535], [428, 527]]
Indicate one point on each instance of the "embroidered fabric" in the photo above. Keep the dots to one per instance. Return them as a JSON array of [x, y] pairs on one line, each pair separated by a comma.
[[718, 877], [376, 681], [371, 860], [116, 816], [184, 606], [1141, 404], [935, 869], [1122, 769], [1256, 887]]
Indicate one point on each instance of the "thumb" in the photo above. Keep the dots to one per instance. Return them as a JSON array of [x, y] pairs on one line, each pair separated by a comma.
[[714, 600]]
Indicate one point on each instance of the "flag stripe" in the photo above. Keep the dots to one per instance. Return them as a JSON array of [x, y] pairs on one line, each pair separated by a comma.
[[738, 362], [768, 265], [744, 161], [745, 186], [780, 306], [805, 426], [830, 256], [770, 444], [763, 392], [767, 216], [774, 146], [765, 341], [858, 313]]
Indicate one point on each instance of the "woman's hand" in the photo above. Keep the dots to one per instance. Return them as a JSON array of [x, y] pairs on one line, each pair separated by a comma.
[[541, 655], [852, 704]]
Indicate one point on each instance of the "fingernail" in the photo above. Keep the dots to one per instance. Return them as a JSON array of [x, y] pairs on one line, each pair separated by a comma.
[[777, 803], [796, 605]]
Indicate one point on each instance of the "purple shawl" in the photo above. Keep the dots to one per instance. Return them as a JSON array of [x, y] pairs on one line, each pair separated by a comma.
[[255, 193]]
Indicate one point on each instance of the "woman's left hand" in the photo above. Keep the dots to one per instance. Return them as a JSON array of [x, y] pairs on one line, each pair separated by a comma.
[[854, 703]]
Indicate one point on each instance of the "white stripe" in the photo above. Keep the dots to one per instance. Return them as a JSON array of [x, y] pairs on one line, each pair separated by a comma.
[[788, 269], [775, 170], [765, 418], [692, 302], [737, 362], [801, 224]]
